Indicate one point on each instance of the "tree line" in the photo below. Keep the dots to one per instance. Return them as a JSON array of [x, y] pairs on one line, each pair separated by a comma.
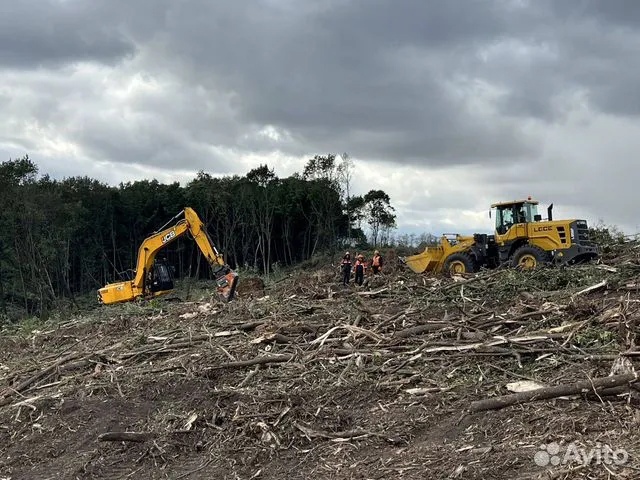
[[64, 238]]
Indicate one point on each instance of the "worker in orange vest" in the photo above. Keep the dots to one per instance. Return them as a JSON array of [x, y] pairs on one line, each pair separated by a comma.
[[376, 263], [360, 267]]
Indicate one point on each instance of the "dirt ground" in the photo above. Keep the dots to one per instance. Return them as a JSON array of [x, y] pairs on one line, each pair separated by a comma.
[[309, 379]]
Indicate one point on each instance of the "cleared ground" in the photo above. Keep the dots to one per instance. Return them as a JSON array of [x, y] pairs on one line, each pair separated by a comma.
[[308, 379]]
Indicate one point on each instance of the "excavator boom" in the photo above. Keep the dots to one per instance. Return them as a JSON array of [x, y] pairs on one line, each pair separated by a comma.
[[152, 279]]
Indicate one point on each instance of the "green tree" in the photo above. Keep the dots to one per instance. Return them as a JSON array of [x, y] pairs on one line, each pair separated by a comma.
[[265, 182], [379, 215], [345, 174]]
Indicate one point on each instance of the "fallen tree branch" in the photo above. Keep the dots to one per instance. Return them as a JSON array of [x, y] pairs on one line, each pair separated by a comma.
[[418, 329], [476, 278], [137, 437], [593, 288], [274, 337], [496, 341], [254, 361], [523, 316], [8, 392], [373, 292], [245, 327], [311, 433], [553, 392]]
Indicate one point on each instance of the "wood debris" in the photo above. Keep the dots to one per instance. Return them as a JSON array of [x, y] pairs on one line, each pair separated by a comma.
[[407, 377]]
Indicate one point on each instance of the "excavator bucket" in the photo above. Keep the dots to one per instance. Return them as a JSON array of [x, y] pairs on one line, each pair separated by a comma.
[[426, 261], [227, 286]]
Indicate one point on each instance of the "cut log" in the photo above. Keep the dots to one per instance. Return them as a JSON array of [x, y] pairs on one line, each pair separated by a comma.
[[597, 384]]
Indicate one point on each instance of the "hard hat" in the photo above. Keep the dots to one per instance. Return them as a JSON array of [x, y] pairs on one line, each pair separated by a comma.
[[347, 253]]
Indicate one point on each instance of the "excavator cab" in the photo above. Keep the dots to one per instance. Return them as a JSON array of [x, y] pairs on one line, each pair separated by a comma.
[[160, 277]]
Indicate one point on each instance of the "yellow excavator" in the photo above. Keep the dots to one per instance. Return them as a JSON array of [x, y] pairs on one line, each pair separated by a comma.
[[522, 239], [153, 278]]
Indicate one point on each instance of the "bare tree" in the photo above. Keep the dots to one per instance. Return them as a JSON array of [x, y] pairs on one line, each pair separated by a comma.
[[345, 173]]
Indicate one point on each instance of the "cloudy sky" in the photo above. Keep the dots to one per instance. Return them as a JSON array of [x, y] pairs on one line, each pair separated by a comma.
[[447, 105]]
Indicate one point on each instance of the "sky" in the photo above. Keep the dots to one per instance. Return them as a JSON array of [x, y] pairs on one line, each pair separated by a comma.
[[448, 106]]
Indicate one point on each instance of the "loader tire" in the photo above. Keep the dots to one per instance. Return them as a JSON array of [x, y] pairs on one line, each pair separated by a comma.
[[529, 257], [459, 263]]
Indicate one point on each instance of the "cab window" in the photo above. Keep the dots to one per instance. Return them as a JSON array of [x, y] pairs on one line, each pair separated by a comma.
[[504, 219], [532, 212], [509, 215]]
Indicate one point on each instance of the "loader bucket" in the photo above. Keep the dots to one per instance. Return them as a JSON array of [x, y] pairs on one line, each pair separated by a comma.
[[227, 286], [426, 261]]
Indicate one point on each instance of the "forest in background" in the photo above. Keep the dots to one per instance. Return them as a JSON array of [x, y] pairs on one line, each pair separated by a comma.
[[65, 238]]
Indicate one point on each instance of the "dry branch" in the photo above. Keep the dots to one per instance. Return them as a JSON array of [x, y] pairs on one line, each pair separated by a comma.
[[373, 292], [137, 437], [245, 327], [418, 329], [592, 288], [10, 391], [254, 361], [311, 433]]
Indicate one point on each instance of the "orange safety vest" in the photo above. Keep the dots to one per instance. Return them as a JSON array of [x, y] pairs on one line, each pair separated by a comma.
[[376, 261]]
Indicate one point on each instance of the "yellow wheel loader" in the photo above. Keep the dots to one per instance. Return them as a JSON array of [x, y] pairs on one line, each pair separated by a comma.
[[153, 278], [521, 239]]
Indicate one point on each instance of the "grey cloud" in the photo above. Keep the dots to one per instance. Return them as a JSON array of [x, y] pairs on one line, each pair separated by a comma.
[[611, 12], [371, 77], [51, 33], [581, 45], [333, 71], [429, 83], [367, 76], [147, 142]]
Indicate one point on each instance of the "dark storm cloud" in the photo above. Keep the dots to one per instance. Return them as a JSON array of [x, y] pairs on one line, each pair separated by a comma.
[[368, 76], [569, 46], [50, 33], [375, 77]]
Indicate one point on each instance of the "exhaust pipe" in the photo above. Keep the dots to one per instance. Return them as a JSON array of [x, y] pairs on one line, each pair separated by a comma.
[[549, 212]]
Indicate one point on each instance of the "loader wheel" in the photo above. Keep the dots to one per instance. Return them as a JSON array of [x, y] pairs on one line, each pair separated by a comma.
[[458, 264], [529, 257]]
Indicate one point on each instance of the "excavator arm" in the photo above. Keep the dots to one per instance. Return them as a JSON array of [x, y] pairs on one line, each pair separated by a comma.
[[141, 285]]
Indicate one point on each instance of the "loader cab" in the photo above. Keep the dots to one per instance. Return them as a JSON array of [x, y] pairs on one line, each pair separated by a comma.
[[508, 214]]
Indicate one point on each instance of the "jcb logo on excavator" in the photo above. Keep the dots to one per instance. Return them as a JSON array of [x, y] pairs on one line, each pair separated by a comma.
[[542, 229], [168, 236]]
